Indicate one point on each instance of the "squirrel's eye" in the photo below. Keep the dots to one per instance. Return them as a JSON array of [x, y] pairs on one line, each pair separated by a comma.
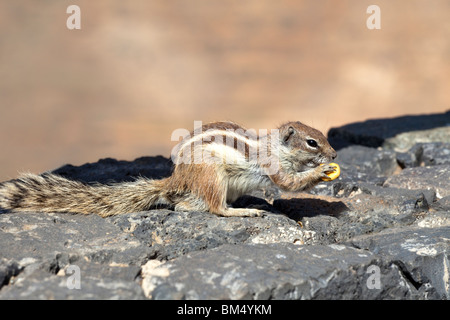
[[312, 143]]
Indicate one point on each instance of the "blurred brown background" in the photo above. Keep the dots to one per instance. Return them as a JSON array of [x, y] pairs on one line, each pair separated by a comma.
[[139, 69]]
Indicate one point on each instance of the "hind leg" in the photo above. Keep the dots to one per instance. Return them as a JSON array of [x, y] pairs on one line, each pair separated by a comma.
[[207, 193], [191, 203], [200, 205], [240, 212]]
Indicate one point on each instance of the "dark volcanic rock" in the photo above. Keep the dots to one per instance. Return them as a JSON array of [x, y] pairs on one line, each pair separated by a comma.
[[407, 140], [277, 271], [373, 133], [425, 154], [436, 178], [112, 170], [97, 281], [172, 234], [422, 254], [111, 251], [443, 204], [368, 161], [67, 237], [37, 247], [8, 270], [402, 200]]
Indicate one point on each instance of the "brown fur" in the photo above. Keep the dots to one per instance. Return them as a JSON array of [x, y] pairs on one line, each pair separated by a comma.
[[191, 187]]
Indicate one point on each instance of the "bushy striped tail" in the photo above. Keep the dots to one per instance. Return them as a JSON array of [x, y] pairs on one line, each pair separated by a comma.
[[53, 193]]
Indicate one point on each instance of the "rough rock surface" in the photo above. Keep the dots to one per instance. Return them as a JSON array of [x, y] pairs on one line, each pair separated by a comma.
[[380, 231], [276, 271], [423, 178], [374, 133]]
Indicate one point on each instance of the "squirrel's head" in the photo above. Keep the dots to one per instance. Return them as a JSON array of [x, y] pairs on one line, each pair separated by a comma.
[[305, 144]]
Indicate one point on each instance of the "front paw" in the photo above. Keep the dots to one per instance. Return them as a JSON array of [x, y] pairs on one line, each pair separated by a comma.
[[329, 171]]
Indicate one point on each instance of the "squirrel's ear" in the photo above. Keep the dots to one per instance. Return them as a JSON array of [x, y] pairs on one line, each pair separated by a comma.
[[290, 132]]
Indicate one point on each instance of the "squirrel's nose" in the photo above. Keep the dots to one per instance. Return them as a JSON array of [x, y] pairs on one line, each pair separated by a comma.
[[334, 154]]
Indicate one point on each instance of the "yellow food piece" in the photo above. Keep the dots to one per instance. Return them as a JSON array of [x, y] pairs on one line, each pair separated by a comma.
[[333, 175]]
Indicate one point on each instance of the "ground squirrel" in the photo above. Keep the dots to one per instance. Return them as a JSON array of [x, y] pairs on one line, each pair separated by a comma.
[[212, 169]]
